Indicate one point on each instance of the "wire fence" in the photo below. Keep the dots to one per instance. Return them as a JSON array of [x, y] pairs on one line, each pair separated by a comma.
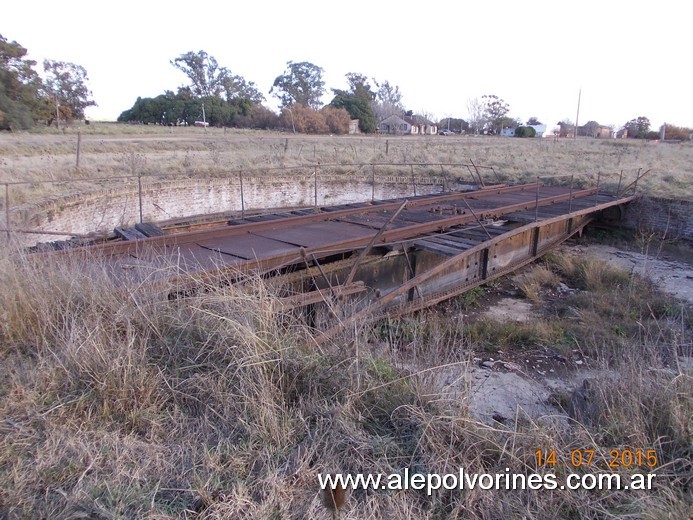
[[414, 174]]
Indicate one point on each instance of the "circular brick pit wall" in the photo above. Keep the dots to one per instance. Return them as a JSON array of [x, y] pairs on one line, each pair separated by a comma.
[[101, 211]]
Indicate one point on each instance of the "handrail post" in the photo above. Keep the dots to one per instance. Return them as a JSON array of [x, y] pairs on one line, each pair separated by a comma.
[[596, 195], [570, 197], [372, 182], [315, 185], [536, 205], [620, 178], [413, 181]]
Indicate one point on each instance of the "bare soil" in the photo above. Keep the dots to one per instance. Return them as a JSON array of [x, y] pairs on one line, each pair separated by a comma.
[[511, 385]]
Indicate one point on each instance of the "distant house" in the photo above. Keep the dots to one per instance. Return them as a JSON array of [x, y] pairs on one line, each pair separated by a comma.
[[566, 130], [595, 130], [507, 132], [539, 129], [407, 125], [354, 126]]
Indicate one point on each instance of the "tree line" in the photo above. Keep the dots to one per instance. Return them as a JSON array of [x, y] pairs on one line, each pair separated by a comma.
[[217, 96], [220, 98], [26, 98]]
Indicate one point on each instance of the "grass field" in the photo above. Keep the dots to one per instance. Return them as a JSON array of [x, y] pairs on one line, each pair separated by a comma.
[[114, 150], [125, 404]]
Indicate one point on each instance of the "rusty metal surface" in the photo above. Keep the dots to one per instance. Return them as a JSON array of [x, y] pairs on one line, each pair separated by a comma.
[[418, 253]]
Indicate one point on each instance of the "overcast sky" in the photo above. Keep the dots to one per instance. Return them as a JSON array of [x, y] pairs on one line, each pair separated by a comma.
[[629, 58]]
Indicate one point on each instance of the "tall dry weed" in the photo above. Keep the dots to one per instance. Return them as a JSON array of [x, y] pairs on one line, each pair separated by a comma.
[[118, 402]]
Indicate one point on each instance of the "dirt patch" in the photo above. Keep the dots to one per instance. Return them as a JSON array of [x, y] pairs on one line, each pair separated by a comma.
[[515, 384], [511, 309], [672, 276]]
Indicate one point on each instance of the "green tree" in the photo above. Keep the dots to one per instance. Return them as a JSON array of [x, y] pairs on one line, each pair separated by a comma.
[[203, 71], [301, 84], [525, 131], [638, 127], [533, 121], [495, 110], [237, 88], [19, 84], [207, 78], [66, 84], [357, 101]]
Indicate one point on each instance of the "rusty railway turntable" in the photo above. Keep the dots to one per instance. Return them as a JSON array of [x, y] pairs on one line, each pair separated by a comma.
[[391, 256]]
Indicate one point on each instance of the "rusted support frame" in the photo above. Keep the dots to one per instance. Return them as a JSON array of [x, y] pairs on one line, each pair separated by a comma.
[[481, 181], [308, 298], [317, 264], [450, 263], [477, 219], [367, 249], [534, 244], [484, 264], [634, 184], [412, 273]]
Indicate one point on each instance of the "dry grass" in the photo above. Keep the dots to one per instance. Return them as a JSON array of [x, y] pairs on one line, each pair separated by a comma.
[[109, 150], [124, 404], [534, 280]]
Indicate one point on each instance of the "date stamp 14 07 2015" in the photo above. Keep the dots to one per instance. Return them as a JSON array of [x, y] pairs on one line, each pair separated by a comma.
[[589, 458]]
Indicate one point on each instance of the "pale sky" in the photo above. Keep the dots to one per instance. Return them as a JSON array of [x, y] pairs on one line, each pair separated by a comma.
[[628, 57]]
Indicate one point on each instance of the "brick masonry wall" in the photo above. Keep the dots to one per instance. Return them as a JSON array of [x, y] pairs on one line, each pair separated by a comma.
[[101, 211], [671, 218]]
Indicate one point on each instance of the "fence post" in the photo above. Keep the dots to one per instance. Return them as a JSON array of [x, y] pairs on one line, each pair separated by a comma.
[[596, 195], [570, 197], [536, 205], [7, 210], [240, 178], [315, 185], [79, 145], [372, 182], [413, 181], [139, 193]]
